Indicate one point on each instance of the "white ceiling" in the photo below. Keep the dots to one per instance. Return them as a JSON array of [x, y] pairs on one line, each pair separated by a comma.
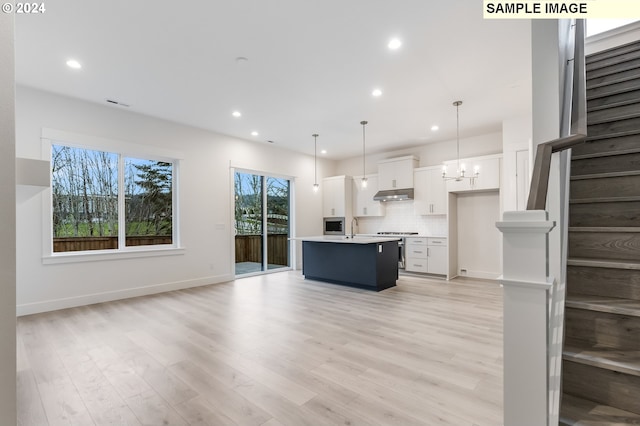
[[312, 65]]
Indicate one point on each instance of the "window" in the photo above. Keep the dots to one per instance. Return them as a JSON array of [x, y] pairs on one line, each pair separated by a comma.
[[106, 201], [262, 222]]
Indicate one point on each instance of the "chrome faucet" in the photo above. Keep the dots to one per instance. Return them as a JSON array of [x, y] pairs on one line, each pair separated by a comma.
[[356, 219]]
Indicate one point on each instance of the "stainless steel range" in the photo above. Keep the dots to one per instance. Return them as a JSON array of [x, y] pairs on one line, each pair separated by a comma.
[[401, 235]]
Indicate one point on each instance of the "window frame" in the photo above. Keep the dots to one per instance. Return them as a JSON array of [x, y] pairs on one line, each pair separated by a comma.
[[123, 150]]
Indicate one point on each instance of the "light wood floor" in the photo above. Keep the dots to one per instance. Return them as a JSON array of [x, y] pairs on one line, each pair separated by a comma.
[[269, 350]]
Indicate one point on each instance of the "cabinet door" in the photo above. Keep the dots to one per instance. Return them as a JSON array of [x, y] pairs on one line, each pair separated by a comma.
[[421, 202], [364, 204], [333, 194], [437, 192], [430, 192], [396, 174], [403, 174], [386, 176], [489, 177], [437, 258]]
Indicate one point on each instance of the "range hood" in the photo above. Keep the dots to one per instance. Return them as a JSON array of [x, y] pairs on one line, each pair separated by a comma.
[[394, 195]]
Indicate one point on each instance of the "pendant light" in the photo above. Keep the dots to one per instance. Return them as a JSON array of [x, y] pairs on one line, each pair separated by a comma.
[[461, 168], [315, 163], [364, 177]]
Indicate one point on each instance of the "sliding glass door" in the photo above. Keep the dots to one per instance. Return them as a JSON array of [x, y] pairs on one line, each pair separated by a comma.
[[262, 222]]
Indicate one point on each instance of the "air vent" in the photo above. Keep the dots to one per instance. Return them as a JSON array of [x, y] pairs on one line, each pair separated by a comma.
[[111, 101]]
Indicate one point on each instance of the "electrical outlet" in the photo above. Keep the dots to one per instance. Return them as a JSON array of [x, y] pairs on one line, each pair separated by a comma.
[[463, 271]]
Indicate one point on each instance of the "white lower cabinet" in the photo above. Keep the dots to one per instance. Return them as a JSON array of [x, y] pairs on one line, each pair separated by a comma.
[[426, 254]]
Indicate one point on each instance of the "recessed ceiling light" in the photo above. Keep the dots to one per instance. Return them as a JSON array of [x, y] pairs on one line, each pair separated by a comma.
[[324, 151], [254, 133], [236, 114], [394, 44], [376, 92], [434, 128], [72, 63]]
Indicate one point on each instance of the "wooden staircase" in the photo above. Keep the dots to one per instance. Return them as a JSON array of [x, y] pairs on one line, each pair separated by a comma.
[[601, 359]]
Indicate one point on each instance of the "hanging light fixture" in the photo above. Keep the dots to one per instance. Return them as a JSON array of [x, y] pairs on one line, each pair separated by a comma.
[[461, 167], [315, 163], [364, 177]]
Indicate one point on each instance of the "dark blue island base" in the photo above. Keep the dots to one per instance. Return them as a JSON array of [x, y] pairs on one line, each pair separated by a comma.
[[372, 266]]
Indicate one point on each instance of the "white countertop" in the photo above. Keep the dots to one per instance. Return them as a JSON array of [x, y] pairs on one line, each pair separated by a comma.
[[402, 236], [358, 239]]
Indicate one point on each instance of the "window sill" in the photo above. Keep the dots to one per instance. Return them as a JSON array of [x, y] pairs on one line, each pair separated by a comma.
[[102, 255]]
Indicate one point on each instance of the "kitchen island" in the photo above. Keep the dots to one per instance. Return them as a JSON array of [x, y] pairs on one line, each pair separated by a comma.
[[364, 262]]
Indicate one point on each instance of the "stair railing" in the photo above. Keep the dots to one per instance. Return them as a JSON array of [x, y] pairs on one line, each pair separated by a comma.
[[534, 262]]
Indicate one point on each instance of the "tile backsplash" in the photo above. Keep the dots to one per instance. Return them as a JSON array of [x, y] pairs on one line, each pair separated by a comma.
[[401, 217]]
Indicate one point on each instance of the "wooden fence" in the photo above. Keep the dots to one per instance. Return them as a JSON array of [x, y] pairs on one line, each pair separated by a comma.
[[249, 249], [105, 243]]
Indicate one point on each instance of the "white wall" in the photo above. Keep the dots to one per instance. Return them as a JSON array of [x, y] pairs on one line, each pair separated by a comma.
[[204, 195], [479, 241], [431, 154], [8, 220], [516, 136]]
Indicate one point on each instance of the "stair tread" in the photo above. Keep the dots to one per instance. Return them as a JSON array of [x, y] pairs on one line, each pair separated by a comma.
[[603, 200], [612, 92], [607, 174], [613, 264], [582, 412], [621, 117], [613, 305], [605, 154], [613, 52], [604, 229], [620, 360], [633, 76], [613, 135]]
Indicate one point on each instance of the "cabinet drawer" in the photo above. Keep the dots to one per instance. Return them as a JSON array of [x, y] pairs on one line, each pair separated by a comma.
[[417, 252], [415, 241], [416, 265], [435, 241]]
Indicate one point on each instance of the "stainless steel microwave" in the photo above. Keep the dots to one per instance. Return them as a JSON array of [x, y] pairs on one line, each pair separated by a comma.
[[333, 226]]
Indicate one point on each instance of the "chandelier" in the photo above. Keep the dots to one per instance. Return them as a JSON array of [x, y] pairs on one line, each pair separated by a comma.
[[460, 171]]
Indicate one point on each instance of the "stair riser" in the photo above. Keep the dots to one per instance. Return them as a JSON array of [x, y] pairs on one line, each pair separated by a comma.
[[612, 99], [608, 145], [595, 70], [623, 186], [602, 328], [614, 127], [604, 245], [608, 282], [614, 52], [601, 385], [617, 163], [607, 79], [605, 214], [613, 88]]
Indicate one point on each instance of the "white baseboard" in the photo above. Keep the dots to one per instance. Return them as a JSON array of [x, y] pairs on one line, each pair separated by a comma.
[[89, 299], [479, 274]]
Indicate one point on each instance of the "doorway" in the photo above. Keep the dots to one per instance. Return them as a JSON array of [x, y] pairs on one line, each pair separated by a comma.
[[262, 223]]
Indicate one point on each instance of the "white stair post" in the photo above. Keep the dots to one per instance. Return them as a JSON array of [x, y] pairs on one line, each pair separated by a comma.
[[526, 315]]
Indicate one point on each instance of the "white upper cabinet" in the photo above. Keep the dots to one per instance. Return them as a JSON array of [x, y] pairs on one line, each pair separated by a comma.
[[396, 173], [336, 196], [430, 192], [488, 178], [363, 203]]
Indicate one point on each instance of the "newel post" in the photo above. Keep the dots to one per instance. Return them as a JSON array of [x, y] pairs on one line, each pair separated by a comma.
[[526, 299]]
